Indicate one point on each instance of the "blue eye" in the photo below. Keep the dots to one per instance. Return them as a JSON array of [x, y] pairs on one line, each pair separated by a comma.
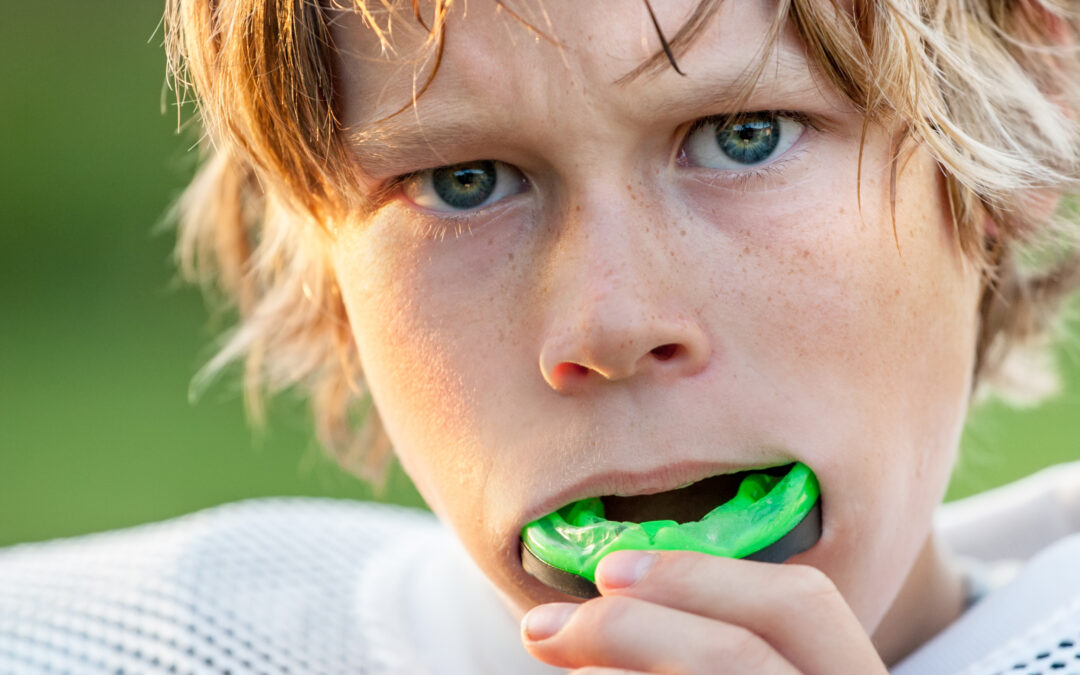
[[737, 142], [463, 187]]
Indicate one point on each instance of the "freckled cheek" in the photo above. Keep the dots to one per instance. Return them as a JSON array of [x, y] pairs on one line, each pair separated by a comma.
[[884, 340], [876, 340], [827, 284], [896, 324], [432, 332], [789, 281]]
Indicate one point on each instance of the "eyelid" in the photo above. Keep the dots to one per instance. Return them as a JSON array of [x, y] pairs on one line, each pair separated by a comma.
[[721, 118]]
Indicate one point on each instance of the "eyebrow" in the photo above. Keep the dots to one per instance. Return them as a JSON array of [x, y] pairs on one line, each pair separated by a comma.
[[785, 75], [417, 134], [381, 146]]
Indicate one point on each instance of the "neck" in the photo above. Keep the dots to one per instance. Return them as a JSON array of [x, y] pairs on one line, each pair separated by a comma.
[[931, 598]]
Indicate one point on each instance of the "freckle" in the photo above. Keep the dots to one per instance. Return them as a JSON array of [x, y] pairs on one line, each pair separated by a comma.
[[491, 240], [578, 207], [510, 256], [682, 232]]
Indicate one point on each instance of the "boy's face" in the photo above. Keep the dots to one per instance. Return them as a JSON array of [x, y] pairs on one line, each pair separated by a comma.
[[637, 302]]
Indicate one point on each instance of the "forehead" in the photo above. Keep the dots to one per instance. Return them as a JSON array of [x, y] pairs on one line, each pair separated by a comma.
[[494, 60]]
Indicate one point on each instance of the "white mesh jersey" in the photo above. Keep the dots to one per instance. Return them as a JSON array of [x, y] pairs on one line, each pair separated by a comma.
[[326, 587], [272, 586]]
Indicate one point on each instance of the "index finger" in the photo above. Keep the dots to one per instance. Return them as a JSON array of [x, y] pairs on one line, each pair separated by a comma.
[[795, 608]]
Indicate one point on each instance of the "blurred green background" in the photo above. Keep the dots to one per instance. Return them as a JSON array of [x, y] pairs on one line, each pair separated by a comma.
[[98, 341]]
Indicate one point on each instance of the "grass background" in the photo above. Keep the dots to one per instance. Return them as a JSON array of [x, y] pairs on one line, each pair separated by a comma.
[[98, 341]]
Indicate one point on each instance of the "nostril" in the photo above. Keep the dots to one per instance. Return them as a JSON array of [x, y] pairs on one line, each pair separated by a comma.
[[567, 370], [665, 352]]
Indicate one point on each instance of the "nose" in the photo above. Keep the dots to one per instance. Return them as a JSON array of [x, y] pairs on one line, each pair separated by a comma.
[[620, 308]]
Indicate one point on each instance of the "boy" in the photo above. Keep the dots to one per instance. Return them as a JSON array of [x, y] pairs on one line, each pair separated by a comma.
[[570, 258]]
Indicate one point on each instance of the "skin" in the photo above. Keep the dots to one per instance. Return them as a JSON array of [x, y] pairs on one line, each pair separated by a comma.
[[629, 322]]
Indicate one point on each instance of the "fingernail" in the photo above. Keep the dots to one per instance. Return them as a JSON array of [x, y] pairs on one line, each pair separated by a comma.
[[546, 620], [624, 568]]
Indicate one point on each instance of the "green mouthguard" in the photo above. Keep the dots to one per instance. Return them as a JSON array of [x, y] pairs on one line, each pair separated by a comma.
[[764, 510]]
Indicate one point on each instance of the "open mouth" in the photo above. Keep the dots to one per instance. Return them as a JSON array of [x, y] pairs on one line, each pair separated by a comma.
[[763, 514], [683, 505]]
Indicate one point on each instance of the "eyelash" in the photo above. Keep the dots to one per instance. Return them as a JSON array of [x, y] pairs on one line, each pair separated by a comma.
[[437, 225], [798, 116]]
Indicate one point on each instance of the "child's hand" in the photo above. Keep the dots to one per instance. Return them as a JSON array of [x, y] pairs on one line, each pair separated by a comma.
[[680, 612]]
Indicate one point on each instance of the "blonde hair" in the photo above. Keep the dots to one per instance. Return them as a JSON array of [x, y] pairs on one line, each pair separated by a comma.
[[989, 87]]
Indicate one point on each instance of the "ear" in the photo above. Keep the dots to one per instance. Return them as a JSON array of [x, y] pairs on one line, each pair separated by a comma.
[[1046, 22], [1042, 204], [1039, 23], [1039, 207]]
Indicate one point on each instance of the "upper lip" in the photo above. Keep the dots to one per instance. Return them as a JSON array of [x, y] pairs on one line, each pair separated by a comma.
[[633, 483]]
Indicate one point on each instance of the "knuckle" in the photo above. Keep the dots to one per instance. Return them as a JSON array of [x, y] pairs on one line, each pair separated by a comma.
[[742, 649], [602, 629], [604, 616], [810, 583], [679, 563], [610, 608], [675, 571]]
